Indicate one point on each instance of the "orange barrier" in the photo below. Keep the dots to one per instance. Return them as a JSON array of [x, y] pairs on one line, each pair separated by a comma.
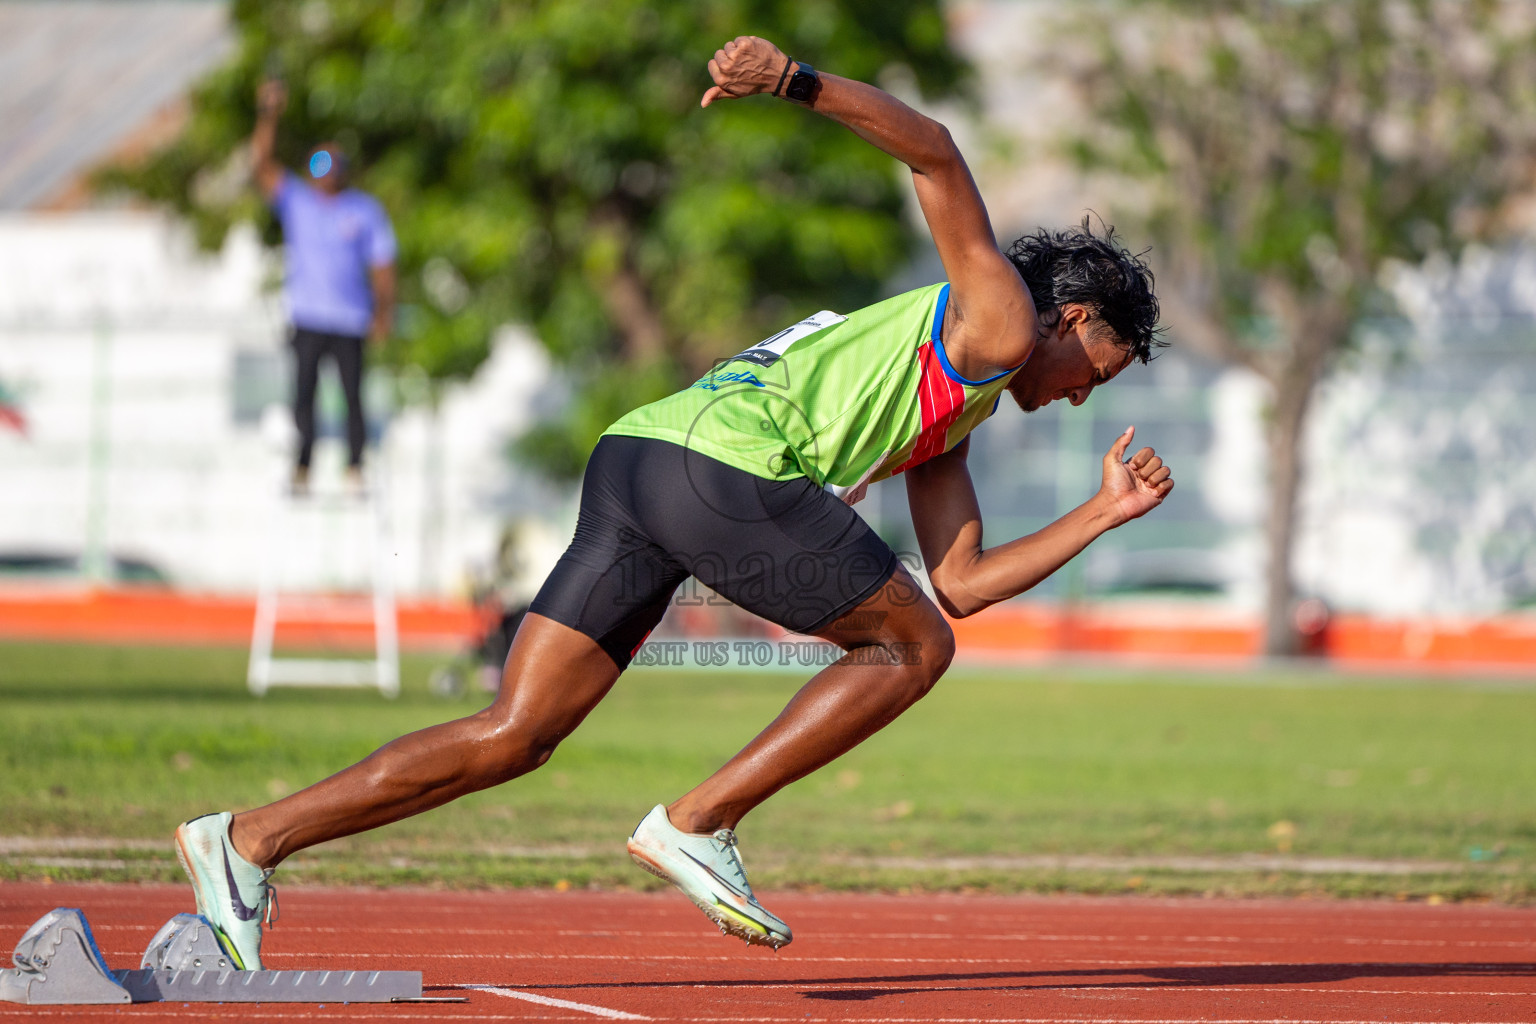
[[1356, 641], [1508, 640], [154, 616], [1107, 630], [1024, 630]]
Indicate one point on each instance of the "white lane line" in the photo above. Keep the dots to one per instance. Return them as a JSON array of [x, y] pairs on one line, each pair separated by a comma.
[[1173, 988], [1005, 961], [1044, 937], [563, 1004], [71, 1014], [1032, 964], [253, 1011], [1307, 990], [1111, 989]]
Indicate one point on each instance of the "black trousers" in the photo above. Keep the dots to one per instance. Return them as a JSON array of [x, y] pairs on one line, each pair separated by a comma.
[[346, 351]]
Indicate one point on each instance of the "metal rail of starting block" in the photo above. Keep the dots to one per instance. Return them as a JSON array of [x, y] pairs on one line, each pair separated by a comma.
[[58, 962]]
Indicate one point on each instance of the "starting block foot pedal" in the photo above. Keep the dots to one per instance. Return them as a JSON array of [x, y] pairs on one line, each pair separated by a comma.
[[58, 962]]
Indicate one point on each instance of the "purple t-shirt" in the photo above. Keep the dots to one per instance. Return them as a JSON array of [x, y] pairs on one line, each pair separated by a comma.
[[331, 242]]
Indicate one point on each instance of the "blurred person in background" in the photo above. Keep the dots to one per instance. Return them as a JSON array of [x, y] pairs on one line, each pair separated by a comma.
[[340, 276]]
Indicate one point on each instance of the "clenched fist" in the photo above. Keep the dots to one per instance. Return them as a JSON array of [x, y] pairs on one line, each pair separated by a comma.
[[743, 67]]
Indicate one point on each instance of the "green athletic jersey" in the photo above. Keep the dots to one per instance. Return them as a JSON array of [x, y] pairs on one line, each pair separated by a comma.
[[843, 400]]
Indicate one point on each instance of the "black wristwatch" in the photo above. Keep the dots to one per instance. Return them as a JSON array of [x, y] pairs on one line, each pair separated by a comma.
[[802, 84]]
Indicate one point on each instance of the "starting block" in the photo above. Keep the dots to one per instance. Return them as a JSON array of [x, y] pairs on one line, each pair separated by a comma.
[[58, 962]]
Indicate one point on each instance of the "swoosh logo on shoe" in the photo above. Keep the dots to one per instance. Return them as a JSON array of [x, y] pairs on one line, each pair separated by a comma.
[[716, 876], [237, 904]]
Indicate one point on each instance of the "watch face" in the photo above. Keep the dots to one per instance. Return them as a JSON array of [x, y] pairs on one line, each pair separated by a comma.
[[802, 85]]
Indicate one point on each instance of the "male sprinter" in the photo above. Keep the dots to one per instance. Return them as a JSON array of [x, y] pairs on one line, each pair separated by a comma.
[[736, 480]]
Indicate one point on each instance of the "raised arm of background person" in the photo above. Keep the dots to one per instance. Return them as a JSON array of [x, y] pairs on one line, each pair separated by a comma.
[[990, 324], [967, 577], [271, 100], [382, 278]]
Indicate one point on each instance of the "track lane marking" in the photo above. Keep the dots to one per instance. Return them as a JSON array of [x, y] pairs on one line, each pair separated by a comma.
[[73, 1013], [1114, 989], [196, 1011], [1038, 966], [191, 1015], [560, 1004], [1042, 937], [1059, 1020]]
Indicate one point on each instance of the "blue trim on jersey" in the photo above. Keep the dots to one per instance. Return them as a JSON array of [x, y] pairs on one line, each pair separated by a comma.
[[938, 317], [938, 346]]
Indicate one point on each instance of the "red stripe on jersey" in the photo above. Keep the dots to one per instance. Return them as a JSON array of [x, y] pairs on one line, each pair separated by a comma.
[[942, 400]]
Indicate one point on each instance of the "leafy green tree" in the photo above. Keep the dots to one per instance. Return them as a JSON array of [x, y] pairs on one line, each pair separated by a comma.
[[547, 162], [1282, 154]]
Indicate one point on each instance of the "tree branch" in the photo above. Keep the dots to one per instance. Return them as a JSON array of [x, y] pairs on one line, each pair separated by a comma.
[[1196, 329], [625, 295]]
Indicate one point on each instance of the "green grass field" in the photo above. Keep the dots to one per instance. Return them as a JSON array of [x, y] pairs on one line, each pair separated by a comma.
[[1043, 780]]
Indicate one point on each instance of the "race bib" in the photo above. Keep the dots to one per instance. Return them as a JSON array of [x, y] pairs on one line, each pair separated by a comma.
[[771, 350]]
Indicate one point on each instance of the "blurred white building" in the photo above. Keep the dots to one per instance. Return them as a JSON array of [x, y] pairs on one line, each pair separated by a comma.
[[152, 378]]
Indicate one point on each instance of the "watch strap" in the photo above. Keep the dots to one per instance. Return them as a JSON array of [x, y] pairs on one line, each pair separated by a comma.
[[788, 63]]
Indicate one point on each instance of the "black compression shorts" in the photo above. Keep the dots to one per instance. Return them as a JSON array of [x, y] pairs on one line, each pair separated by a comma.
[[654, 513]]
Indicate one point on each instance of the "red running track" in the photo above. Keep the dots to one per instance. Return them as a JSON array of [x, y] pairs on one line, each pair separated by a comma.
[[593, 956]]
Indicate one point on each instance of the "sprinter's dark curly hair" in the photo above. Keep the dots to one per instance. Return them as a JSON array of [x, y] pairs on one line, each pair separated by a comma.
[[1076, 265]]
